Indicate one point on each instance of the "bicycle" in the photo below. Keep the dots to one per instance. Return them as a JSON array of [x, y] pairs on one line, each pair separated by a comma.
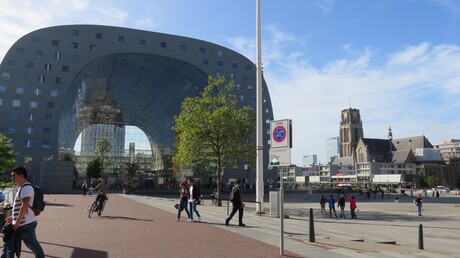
[[97, 206]]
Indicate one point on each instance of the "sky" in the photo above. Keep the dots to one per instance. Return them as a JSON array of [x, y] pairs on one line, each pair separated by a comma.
[[397, 61]]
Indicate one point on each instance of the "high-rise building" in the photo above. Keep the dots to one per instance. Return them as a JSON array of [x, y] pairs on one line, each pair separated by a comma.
[[310, 160], [351, 130], [114, 134], [332, 148]]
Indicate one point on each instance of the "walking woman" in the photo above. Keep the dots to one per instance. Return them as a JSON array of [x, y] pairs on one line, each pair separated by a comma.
[[353, 206], [184, 194], [322, 202]]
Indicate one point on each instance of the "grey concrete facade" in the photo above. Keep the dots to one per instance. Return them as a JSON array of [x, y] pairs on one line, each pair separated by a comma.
[[50, 75]]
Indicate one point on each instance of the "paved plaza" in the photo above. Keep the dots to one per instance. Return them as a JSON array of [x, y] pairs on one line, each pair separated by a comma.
[[144, 226]]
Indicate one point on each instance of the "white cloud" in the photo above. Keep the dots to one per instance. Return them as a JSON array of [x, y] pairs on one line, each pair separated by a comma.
[[326, 5]]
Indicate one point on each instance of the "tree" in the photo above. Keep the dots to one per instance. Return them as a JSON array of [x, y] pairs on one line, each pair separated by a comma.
[[94, 168], [431, 181], [132, 168], [212, 131], [103, 150], [7, 160]]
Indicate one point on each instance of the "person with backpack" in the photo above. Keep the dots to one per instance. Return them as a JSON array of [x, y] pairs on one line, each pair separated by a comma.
[[237, 204], [22, 219]]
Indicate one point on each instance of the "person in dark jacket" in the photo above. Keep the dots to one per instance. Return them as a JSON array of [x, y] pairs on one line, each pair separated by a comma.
[[418, 202], [341, 205], [331, 202], [237, 204], [184, 195], [194, 198]]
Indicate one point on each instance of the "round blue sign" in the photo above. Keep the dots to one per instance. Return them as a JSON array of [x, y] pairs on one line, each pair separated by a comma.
[[279, 133]]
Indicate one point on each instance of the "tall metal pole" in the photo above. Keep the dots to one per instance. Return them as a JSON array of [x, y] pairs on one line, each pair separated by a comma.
[[259, 113]]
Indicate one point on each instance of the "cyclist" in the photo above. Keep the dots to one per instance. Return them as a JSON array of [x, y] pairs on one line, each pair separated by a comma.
[[102, 188]]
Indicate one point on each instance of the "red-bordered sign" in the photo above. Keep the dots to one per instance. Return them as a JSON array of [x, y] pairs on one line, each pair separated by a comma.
[[279, 133]]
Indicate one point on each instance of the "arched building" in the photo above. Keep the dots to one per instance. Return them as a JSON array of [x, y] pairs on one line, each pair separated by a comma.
[[56, 81]]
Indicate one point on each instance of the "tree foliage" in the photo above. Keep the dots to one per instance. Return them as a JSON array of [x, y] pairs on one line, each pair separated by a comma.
[[132, 169], [94, 168], [212, 132], [431, 181], [102, 153], [6, 153]]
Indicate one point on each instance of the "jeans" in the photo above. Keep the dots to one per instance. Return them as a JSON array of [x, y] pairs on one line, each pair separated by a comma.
[[182, 206], [193, 209], [240, 210], [419, 209], [342, 211], [27, 234]]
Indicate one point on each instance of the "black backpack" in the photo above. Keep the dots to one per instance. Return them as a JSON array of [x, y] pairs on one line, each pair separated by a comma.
[[39, 204]]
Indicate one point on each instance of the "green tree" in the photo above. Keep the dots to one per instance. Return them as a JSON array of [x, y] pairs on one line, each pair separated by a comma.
[[102, 153], [7, 161], [94, 168], [132, 169], [212, 131], [431, 181]]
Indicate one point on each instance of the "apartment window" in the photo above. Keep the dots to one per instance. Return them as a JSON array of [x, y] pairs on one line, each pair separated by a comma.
[[28, 143], [75, 32], [220, 64], [47, 130], [202, 50], [183, 47], [31, 117], [29, 130], [39, 53], [205, 61], [220, 53], [238, 87], [74, 45], [1, 102], [57, 55], [232, 76], [45, 144], [33, 104], [48, 67], [50, 104], [34, 39], [54, 42], [11, 62], [58, 80], [142, 42], [48, 118], [98, 35], [65, 68], [234, 65], [163, 44], [53, 93], [218, 74], [20, 51], [241, 97], [250, 87], [24, 77], [16, 103], [2, 89], [248, 67], [76, 57], [41, 79], [121, 39], [245, 77], [19, 90], [267, 111], [92, 48], [14, 116], [6, 76], [30, 65]]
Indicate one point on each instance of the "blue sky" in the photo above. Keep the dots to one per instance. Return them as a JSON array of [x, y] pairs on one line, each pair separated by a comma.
[[396, 60]]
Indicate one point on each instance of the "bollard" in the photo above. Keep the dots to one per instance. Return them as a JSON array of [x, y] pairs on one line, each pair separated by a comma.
[[312, 227], [420, 237]]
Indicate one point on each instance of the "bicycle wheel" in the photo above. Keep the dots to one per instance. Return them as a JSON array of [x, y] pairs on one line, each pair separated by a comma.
[[92, 209], [99, 212]]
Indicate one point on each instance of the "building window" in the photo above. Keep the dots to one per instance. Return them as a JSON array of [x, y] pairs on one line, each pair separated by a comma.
[[241, 97], [74, 45], [65, 68], [232, 76], [30, 65], [6, 76], [218, 74], [48, 67], [28, 143], [121, 39], [202, 50], [47, 130], [245, 77], [45, 144], [33, 104], [220, 53], [238, 87], [11, 62], [57, 55], [142, 42], [205, 61], [163, 44], [50, 104], [267, 111], [98, 35], [20, 51], [58, 80], [31, 117], [53, 93], [75, 32], [16, 103], [41, 79], [92, 48], [39, 53], [29, 130], [76, 57], [220, 64], [248, 67], [14, 116], [234, 65], [48, 118], [2, 89], [250, 87], [183, 47], [1, 102], [54, 42], [19, 90], [24, 77], [34, 40]]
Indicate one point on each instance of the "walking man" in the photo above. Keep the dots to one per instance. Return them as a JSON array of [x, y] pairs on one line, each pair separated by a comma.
[[22, 219], [193, 200], [237, 204], [418, 202], [331, 202]]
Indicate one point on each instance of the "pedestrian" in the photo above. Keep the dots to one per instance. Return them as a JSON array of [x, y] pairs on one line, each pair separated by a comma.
[[22, 220], [331, 202], [183, 199], [84, 186], [418, 203], [194, 198], [341, 205], [322, 203], [437, 193], [237, 204], [353, 206]]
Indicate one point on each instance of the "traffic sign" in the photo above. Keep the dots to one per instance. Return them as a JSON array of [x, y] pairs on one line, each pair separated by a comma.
[[281, 134]]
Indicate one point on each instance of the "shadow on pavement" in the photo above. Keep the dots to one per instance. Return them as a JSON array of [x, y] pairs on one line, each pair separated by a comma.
[[78, 252], [125, 218]]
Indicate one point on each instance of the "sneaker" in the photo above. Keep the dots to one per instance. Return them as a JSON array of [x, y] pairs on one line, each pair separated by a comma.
[[242, 225], [177, 220], [199, 218], [226, 222], [190, 220]]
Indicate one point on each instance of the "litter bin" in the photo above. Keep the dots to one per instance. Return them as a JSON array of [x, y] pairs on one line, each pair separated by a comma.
[[5, 212], [274, 203]]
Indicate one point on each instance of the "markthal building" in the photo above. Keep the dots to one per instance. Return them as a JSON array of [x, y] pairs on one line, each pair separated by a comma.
[[56, 82]]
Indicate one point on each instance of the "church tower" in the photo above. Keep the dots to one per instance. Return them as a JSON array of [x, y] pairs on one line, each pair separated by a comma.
[[351, 130]]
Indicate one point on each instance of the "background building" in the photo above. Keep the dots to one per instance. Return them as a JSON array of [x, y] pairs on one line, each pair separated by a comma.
[[332, 148]]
